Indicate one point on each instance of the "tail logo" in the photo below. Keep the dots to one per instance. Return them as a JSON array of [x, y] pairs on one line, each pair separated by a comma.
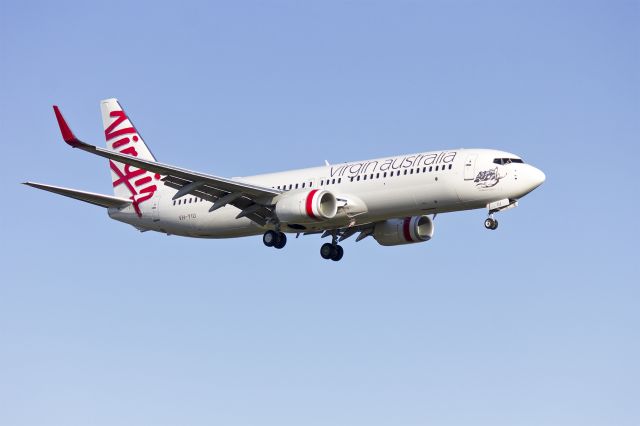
[[139, 182]]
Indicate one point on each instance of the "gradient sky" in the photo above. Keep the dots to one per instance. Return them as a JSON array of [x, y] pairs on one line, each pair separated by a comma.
[[534, 324]]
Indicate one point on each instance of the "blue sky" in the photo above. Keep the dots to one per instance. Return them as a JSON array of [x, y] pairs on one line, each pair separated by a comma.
[[534, 324]]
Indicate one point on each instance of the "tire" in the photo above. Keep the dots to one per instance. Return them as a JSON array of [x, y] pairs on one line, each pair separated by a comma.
[[269, 238], [339, 252], [495, 225], [489, 223], [326, 251], [281, 241]]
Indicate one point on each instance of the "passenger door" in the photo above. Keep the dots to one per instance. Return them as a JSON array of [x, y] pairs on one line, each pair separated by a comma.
[[470, 167]]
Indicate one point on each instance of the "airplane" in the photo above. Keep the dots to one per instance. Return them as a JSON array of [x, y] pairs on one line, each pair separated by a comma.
[[394, 200]]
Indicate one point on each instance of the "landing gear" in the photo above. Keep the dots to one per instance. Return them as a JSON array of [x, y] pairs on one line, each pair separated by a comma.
[[269, 238], [331, 251], [274, 239], [281, 241], [491, 223], [338, 254]]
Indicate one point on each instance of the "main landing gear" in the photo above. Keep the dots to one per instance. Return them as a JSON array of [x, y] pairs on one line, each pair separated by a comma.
[[274, 239], [331, 251], [328, 250], [491, 223]]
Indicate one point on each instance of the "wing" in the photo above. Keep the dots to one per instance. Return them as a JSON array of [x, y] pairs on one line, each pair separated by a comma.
[[254, 201]]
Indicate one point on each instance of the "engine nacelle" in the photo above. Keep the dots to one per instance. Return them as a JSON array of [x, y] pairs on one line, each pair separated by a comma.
[[393, 232], [305, 207]]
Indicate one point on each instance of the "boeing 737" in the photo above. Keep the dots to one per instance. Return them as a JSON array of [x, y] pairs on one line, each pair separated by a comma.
[[394, 200]]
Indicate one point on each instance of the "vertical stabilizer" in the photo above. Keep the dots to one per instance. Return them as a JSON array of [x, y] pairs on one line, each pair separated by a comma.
[[122, 136]]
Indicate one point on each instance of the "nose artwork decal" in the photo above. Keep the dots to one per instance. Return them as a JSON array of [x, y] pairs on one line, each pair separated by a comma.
[[488, 178]]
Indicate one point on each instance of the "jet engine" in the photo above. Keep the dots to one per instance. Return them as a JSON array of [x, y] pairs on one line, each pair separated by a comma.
[[393, 232], [307, 206]]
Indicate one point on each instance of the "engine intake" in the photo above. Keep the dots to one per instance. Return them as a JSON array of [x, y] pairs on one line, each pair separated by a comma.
[[305, 207], [393, 232]]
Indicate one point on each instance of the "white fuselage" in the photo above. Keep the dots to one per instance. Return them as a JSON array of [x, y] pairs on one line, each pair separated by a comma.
[[372, 191]]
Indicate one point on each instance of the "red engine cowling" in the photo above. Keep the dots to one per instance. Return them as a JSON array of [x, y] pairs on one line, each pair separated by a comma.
[[305, 207], [393, 232]]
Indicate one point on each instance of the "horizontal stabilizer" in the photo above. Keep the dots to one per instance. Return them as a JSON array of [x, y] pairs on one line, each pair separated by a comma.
[[88, 197]]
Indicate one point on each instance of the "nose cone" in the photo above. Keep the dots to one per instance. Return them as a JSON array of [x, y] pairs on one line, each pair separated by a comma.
[[537, 177]]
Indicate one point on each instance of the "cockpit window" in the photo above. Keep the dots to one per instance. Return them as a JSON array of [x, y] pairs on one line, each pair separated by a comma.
[[503, 161]]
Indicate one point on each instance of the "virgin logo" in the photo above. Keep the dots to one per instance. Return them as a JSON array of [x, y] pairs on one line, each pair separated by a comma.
[[139, 182]]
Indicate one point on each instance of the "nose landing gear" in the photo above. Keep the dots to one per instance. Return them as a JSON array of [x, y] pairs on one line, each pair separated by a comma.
[[495, 207], [491, 223]]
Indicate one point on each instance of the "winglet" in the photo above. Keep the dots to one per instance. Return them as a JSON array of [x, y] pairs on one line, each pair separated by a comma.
[[67, 134]]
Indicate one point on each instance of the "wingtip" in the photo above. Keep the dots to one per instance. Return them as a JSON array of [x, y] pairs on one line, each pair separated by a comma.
[[67, 134]]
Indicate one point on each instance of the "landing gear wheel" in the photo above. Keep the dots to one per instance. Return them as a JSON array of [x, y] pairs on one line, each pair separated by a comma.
[[269, 238], [491, 223], [339, 252], [326, 251], [281, 241]]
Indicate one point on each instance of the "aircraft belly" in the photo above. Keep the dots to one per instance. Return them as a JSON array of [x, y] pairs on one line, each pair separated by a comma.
[[195, 220], [222, 223]]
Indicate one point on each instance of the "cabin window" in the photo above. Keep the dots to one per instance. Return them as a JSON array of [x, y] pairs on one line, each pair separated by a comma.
[[450, 166], [364, 177], [296, 186], [358, 178], [339, 180]]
